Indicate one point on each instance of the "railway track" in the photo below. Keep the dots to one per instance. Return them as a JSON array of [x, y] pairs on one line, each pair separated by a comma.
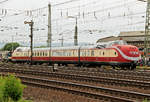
[[132, 75], [96, 92], [83, 78], [101, 93]]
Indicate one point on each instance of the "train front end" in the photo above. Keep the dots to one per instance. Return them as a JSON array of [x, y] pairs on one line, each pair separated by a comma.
[[128, 54]]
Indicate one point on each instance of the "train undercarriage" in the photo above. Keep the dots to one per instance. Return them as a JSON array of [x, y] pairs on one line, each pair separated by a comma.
[[114, 65]]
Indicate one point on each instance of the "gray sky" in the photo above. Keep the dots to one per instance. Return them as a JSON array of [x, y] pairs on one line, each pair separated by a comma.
[[96, 19]]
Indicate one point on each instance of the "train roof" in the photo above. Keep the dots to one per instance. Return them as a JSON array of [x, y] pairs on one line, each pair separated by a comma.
[[98, 45], [55, 48]]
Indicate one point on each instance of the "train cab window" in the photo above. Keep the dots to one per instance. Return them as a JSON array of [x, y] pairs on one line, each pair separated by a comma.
[[92, 53]]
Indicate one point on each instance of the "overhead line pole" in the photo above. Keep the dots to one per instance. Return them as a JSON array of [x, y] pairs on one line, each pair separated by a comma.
[[147, 31], [49, 26], [76, 34], [31, 36], [49, 40]]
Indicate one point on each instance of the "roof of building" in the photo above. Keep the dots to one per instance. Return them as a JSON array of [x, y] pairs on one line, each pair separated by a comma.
[[131, 33], [127, 36]]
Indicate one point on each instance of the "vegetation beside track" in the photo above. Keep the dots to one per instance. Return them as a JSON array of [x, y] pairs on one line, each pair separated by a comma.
[[143, 67], [11, 89], [146, 100]]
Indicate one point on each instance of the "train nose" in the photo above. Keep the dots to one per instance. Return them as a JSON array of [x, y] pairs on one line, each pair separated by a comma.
[[133, 51]]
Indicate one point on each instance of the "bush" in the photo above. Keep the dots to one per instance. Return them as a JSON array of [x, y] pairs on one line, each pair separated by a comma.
[[11, 89], [2, 82], [146, 100]]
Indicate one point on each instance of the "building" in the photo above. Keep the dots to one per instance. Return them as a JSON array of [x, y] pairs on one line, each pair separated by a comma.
[[133, 38]]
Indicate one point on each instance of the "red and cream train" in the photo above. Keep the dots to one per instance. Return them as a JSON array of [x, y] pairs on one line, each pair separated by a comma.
[[115, 53]]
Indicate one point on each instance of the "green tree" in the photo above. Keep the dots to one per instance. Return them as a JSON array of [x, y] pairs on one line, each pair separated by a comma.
[[13, 89], [11, 46]]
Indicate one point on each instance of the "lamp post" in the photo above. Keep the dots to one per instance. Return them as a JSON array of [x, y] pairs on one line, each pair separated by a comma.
[[31, 36], [76, 31]]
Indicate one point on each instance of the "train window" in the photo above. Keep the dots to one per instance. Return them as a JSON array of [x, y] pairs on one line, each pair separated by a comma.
[[92, 53], [64, 53], [85, 53], [103, 53], [82, 53], [45, 53], [61, 53], [38, 54], [88, 53], [33, 54]]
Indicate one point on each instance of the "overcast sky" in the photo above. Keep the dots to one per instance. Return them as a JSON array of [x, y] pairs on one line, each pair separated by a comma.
[[96, 19]]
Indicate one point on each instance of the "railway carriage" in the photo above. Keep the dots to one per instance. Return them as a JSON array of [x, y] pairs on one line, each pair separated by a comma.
[[116, 54]]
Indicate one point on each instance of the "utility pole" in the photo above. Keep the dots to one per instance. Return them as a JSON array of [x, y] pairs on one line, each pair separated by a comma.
[[12, 49], [76, 34], [147, 32], [76, 31], [31, 36], [49, 40], [62, 41]]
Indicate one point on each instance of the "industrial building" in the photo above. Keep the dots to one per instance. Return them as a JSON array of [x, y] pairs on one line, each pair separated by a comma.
[[133, 38]]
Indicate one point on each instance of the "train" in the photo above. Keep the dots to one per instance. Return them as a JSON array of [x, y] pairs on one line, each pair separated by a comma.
[[117, 54], [5, 55]]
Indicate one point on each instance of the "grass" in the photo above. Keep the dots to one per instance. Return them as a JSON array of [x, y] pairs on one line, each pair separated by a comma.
[[143, 67], [146, 100]]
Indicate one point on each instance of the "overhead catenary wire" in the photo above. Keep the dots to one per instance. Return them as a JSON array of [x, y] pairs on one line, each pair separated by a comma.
[[3, 1], [86, 20]]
